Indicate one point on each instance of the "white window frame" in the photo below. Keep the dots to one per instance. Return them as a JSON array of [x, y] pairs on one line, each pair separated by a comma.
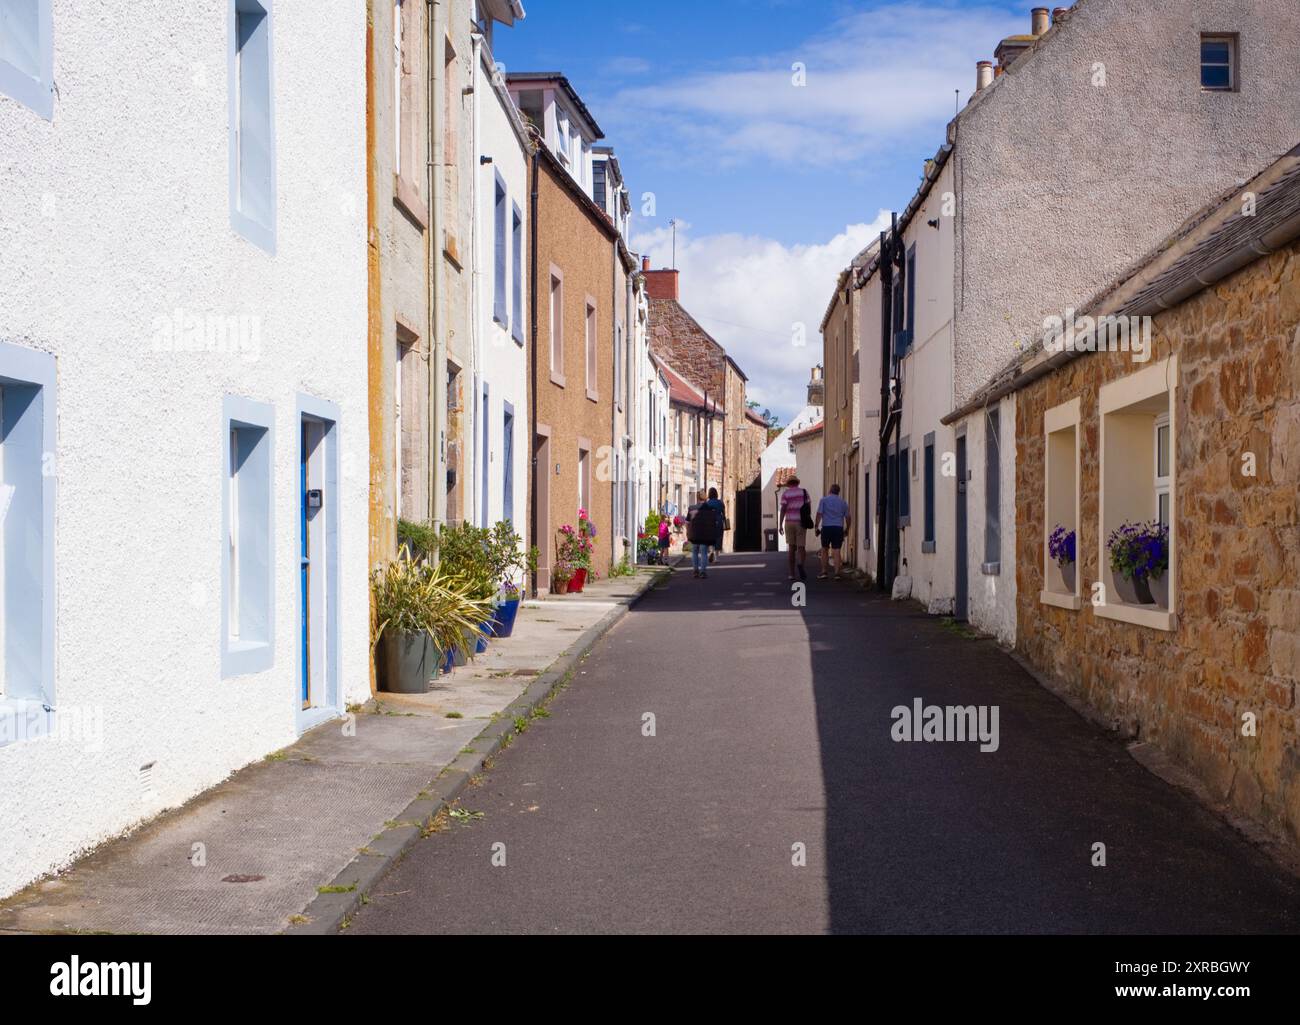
[[1162, 483], [1232, 42], [1058, 420], [28, 712], [33, 87], [249, 227], [241, 656], [557, 325], [1153, 381]]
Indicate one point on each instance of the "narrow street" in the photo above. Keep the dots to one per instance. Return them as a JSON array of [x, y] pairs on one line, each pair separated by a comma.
[[773, 728]]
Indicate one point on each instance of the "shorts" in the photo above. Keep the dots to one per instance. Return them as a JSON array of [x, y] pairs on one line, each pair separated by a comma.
[[833, 537], [796, 534]]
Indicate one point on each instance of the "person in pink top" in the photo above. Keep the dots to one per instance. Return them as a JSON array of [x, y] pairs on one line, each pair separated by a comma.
[[792, 501]]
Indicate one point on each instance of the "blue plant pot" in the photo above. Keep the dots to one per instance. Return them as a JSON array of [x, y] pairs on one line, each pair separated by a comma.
[[448, 663], [505, 616], [484, 632]]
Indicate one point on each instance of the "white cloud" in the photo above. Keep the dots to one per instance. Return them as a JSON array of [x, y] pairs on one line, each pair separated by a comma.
[[875, 78], [749, 292]]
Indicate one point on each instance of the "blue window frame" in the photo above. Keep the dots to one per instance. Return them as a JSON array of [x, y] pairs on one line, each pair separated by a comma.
[[27, 54], [252, 121], [508, 464], [501, 258], [27, 481], [248, 546], [517, 245]]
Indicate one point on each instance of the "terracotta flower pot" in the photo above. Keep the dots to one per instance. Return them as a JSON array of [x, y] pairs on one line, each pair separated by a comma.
[[559, 586]]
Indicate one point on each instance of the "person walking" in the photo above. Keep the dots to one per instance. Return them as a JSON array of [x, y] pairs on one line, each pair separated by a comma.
[[723, 526], [794, 499], [703, 525], [833, 519], [665, 541]]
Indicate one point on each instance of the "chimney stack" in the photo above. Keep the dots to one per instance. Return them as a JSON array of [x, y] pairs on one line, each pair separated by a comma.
[[645, 263], [1040, 21], [1057, 12], [983, 75], [816, 388], [661, 284]]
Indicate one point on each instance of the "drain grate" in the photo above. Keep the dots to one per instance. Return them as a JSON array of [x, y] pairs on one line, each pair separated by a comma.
[[243, 879]]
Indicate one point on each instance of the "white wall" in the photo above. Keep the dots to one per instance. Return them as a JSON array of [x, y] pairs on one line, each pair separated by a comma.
[[501, 362], [116, 216], [1047, 155], [776, 456], [992, 595]]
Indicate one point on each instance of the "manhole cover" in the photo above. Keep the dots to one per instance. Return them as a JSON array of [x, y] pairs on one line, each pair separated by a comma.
[[243, 879]]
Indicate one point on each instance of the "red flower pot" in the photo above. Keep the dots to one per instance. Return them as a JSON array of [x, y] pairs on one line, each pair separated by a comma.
[[578, 582]]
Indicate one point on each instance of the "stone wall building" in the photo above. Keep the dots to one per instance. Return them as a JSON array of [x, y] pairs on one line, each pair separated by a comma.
[[1204, 435], [841, 356], [700, 361]]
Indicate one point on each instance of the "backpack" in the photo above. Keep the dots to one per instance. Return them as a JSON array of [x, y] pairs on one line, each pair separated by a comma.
[[703, 528], [805, 513]]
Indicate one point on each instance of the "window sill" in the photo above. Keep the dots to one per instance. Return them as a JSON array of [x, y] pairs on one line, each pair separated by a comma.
[[23, 719], [518, 339], [451, 250], [593, 396], [557, 379], [1154, 619], [1061, 600], [991, 569], [406, 196], [246, 658], [927, 547]]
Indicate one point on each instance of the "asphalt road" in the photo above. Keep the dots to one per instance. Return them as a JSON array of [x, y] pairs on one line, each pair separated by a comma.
[[772, 729]]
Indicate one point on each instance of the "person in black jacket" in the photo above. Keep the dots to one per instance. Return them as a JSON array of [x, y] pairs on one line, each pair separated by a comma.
[[703, 526]]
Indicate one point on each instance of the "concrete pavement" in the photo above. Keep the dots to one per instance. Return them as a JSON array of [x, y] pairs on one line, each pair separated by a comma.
[[252, 854], [772, 796]]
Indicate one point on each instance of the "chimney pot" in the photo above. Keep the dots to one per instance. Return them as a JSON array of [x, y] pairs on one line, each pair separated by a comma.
[[1057, 12], [1039, 21], [983, 75], [645, 263]]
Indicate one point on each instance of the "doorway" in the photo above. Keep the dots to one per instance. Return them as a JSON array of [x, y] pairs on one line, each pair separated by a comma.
[[960, 601], [542, 503], [317, 696]]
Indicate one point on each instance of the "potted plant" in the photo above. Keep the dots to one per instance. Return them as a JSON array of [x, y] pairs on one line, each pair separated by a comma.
[[574, 550], [1139, 555], [1061, 548], [421, 610], [561, 577], [507, 563]]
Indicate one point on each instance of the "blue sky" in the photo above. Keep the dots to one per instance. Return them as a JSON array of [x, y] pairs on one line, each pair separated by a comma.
[[775, 186]]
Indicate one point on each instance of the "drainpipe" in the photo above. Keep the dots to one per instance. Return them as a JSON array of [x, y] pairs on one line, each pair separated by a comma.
[[534, 288], [438, 343], [883, 495], [479, 465]]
